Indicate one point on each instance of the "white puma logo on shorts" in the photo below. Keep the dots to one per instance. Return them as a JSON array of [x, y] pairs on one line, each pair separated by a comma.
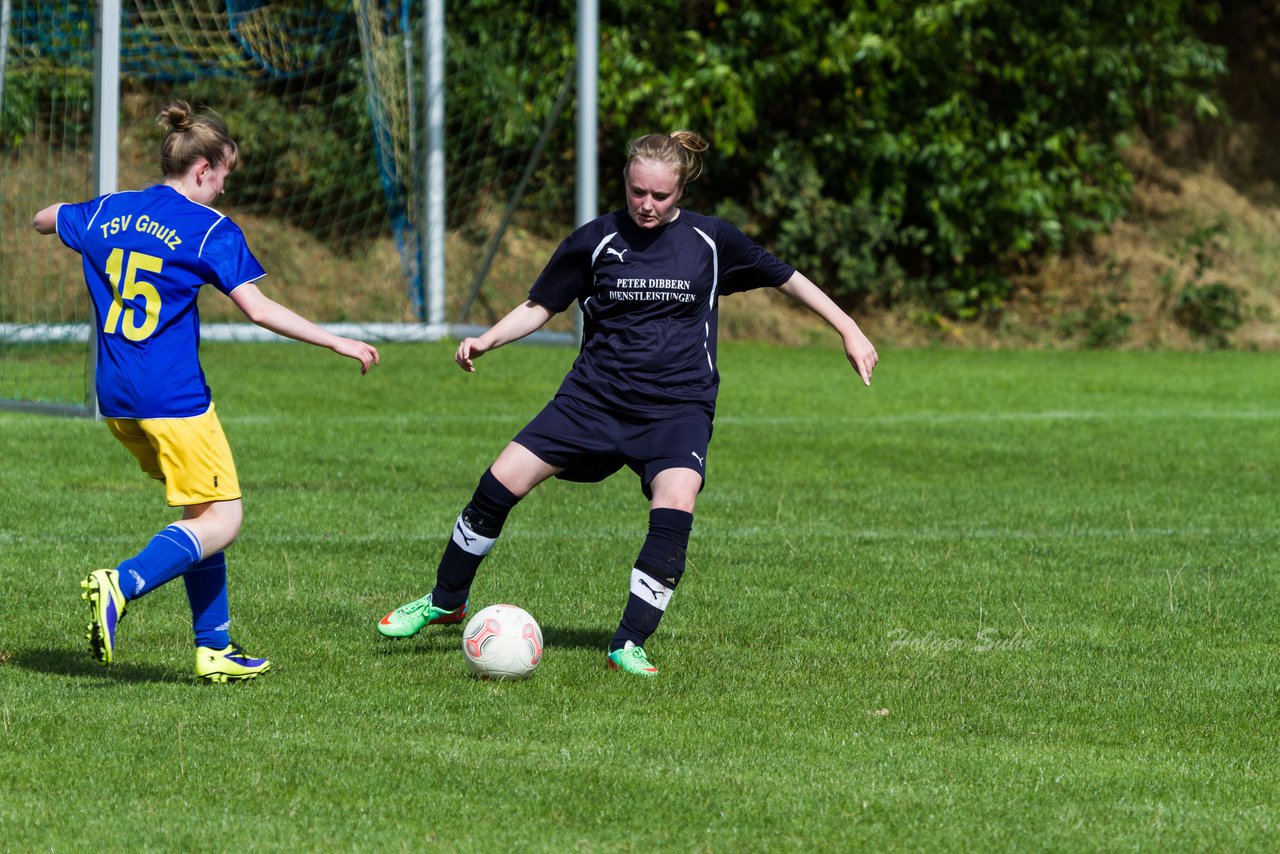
[[698, 458]]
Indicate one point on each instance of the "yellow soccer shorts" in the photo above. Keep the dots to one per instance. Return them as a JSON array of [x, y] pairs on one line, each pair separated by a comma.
[[190, 455]]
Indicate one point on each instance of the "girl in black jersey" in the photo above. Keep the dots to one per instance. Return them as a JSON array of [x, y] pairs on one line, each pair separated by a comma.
[[642, 391]]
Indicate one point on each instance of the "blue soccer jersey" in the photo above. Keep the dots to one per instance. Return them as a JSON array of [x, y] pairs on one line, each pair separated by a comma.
[[649, 302], [146, 254]]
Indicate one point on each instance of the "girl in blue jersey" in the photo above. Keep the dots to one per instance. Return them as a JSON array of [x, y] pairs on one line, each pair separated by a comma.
[[642, 391], [146, 255]]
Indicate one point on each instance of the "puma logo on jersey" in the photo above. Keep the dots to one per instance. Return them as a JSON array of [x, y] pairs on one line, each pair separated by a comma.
[[698, 458], [611, 251]]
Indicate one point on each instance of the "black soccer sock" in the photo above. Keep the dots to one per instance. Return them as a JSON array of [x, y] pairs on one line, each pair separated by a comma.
[[655, 576], [474, 534]]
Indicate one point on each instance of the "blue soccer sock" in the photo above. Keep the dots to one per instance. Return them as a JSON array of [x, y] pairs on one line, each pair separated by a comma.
[[657, 572], [206, 584], [474, 534], [169, 554]]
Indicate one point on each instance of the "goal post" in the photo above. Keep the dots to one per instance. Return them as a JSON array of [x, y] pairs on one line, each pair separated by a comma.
[[381, 141], [106, 130]]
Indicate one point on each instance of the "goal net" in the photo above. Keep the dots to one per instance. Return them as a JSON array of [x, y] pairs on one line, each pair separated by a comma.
[[328, 101]]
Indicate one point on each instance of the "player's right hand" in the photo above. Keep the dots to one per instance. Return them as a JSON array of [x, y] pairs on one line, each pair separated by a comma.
[[365, 354], [468, 351]]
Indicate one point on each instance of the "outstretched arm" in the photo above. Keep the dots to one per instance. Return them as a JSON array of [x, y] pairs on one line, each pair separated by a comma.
[[524, 319], [859, 351], [270, 314], [46, 221]]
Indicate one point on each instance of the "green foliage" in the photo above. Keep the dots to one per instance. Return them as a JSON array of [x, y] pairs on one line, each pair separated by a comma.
[[939, 141], [512, 61], [18, 117], [1107, 322], [48, 86], [895, 151], [1210, 310], [308, 155], [816, 232]]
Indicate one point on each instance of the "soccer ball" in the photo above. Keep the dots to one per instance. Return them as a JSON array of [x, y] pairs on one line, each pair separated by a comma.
[[502, 642]]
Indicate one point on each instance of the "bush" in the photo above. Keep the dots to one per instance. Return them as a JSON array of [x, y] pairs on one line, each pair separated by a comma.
[[1210, 311]]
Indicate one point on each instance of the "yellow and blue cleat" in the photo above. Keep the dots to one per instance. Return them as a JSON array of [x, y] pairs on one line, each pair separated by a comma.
[[232, 664], [106, 610]]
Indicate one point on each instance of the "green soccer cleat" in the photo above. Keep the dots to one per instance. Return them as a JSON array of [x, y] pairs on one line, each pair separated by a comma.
[[632, 659], [106, 610], [232, 664], [407, 620]]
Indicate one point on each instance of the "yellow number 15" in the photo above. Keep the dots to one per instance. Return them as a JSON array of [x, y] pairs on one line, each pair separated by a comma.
[[131, 288]]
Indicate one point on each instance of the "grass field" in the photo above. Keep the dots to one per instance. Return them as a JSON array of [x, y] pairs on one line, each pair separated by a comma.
[[1001, 600]]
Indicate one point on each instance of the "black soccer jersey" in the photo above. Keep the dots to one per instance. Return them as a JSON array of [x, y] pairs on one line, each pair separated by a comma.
[[649, 302]]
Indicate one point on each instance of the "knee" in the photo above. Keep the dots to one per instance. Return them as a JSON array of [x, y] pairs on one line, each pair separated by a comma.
[[230, 520], [519, 470], [217, 524], [231, 531], [675, 489], [681, 500]]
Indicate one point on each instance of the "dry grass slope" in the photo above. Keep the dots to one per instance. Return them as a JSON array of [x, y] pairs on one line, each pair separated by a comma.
[[1121, 291]]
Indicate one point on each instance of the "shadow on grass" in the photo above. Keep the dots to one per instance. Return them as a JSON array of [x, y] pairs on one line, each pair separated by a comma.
[[64, 662], [446, 640], [565, 636], [432, 643]]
